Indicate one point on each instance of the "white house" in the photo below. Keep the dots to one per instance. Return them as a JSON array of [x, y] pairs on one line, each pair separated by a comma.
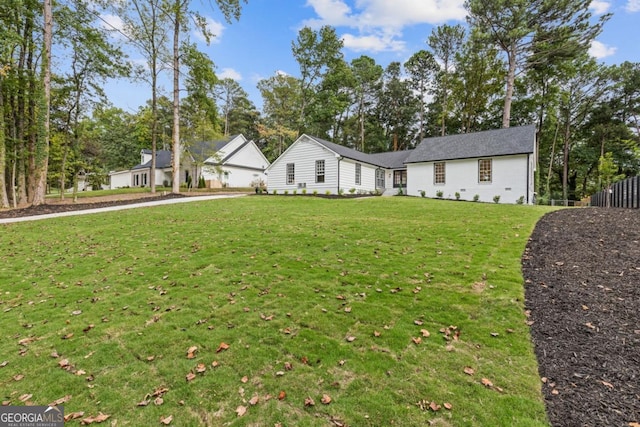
[[317, 165], [235, 162], [483, 164]]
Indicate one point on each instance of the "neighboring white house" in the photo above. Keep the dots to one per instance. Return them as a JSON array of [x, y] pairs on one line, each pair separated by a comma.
[[235, 162], [487, 164], [317, 165]]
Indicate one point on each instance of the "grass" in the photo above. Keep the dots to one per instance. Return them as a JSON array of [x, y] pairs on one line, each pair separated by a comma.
[[314, 297], [140, 190]]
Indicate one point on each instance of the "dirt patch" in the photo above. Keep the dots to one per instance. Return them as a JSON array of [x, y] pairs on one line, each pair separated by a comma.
[[582, 272]]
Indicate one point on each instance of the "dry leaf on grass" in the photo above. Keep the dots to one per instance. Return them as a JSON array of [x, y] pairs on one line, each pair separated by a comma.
[[191, 352], [282, 395], [60, 401], [468, 370], [73, 416], [97, 419], [326, 399], [223, 346], [417, 340], [425, 333], [244, 379], [201, 368], [241, 410], [166, 420], [190, 376], [254, 400], [309, 402], [448, 406]]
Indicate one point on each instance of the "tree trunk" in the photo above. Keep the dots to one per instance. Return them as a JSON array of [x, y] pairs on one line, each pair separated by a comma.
[[176, 101], [565, 161], [511, 78], [4, 200], [43, 155]]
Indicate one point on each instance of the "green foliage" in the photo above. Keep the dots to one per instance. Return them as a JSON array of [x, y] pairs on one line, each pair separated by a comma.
[[423, 193], [496, 199], [278, 310], [520, 200], [439, 194], [476, 197], [286, 192], [457, 194]]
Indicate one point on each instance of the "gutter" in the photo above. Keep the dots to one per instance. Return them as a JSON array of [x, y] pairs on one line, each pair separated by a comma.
[[528, 171], [339, 158]]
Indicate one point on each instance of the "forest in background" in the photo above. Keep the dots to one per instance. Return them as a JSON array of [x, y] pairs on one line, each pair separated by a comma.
[[515, 63]]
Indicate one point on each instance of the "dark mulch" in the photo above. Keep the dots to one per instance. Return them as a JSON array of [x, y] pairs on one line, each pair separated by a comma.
[[56, 207], [582, 269]]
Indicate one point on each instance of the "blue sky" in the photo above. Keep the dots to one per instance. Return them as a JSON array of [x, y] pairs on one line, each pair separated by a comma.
[[259, 44]]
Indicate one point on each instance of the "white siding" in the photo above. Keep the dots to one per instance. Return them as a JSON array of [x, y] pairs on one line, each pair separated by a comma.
[[119, 179], [303, 153], [249, 156], [348, 176], [509, 179]]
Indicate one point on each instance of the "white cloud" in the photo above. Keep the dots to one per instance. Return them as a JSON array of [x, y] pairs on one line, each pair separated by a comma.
[[600, 50], [633, 6], [379, 23], [371, 43], [600, 7], [214, 27], [111, 23], [229, 73]]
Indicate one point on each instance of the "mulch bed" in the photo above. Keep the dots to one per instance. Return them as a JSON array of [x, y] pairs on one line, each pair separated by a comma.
[[56, 207], [582, 273]]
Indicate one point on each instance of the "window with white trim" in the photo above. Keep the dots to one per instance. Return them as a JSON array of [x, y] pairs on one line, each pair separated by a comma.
[[319, 171], [439, 173], [484, 170], [358, 173], [400, 179], [291, 173], [379, 178]]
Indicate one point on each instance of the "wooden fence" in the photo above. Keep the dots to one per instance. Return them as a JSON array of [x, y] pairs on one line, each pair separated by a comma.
[[623, 194]]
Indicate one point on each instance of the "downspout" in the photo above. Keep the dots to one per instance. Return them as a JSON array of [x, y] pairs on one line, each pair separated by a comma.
[[528, 170], [339, 158]]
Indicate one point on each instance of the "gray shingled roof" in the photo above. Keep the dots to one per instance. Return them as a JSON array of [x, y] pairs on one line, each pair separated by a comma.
[[491, 143], [163, 160], [390, 160], [202, 150]]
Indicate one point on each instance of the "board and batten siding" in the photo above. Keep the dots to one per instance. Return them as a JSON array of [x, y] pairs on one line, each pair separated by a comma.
[[509, 179], [303, 154]]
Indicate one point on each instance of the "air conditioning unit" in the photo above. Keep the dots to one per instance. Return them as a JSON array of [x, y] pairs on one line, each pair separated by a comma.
[[302, 185]]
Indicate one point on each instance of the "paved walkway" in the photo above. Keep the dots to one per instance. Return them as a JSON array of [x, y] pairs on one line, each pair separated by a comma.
[[122, 207]]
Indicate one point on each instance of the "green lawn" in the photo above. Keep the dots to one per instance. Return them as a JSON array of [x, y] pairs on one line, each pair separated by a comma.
[[313, 298]]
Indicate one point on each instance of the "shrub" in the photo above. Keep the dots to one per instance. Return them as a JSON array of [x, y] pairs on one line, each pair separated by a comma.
[[328, 192], [520, 200], [439, 194], [352, 190], [496, 199], [286, 192], [315, 192], [476, 197], [275, 192], [165, 183], [295, 192], [423, 193], [201, 182], [304, 191], [341, 191], [400, 193], [457, 196]]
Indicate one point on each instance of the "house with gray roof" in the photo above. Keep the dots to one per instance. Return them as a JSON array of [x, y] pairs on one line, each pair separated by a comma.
[[483, 165], [232, 162], [313, 164]]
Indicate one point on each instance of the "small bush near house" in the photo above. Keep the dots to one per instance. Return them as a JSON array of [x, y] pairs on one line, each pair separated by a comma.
[[423, 193], [476, 198], [304, 191], [496, 199], [295, 192], [286, 192], [457, 196], [201, 183], [315, 192], [439, 194], [328, 192], [520, 200], [341, 191], [352, 190], [165, 183], [275, 192]]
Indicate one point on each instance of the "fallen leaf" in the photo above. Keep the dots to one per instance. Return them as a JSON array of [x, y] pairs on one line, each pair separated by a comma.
[[97, 419], [417, 340], [160, 391], [76, 312], [254, 400], [448, 406], [418, 322], [66, 337], [158, 401], [60, 401], [282, 395], [166, 420], [201, 368], [309, 402], [589, 325], [244, 379], [351, 338], [486, 382], [634, 424], [143, 402], [18, 377], [347, 309], [469, 371], [555, 392], [434, 407], [241, 410], [607, 384], [288, 366], [150, 358], [223, 346], [3, 364], [191, 352], [215, 364], [376, 333], [326, 399], [190, 376], [425, 333], [25, 397], [73, 416]]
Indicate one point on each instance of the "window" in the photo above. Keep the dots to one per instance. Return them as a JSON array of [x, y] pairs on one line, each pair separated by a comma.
[[358, 173], [144, 179], [136, 180], [438, 173], [399, 179], [379, 178], [319, 170], [484, 170], [291, 173]]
